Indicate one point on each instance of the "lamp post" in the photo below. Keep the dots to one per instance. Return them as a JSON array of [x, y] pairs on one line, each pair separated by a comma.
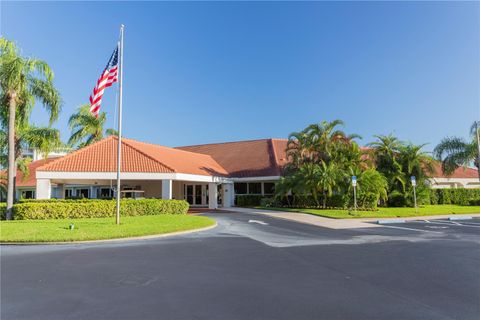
[[414, 184], [354, 184]]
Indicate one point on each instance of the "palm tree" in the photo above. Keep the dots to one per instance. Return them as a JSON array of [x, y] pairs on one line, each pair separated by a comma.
[[385, 152], [317, 143], [43, 139], [372, 187], [86, 128], [455, 152], [415, 162], [326, 180], [22, 82]]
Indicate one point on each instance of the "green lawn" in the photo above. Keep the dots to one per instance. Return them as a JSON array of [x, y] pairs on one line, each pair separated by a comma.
[[97, 228], [387, 212]]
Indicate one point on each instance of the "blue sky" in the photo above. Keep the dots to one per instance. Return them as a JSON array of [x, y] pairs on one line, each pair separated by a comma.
[[204, 72]]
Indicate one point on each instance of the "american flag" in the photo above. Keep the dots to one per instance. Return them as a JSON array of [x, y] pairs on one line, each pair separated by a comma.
[[109, 76]]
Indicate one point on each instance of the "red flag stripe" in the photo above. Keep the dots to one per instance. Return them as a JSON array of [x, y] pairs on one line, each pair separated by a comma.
[[107, 79]]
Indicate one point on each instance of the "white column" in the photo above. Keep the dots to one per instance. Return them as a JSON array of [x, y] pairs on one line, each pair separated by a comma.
[[227, 190], [212, 195], [167, 189], [43, 189], [93, 192]]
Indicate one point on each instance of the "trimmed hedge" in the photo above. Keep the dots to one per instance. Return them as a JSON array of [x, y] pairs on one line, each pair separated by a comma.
[[248, 200], [3, 210], [66, 209], [460, 196]]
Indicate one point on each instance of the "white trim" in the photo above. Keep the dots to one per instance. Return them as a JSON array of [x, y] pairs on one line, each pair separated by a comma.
[[256, 179], [442, 183], [129, 176]]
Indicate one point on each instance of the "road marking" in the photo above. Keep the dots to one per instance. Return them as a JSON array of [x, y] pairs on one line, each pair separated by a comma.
[[451, 223], [412, 229], [258, 221]]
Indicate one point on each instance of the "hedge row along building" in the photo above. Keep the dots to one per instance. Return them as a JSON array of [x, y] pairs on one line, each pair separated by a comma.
[[209, 175]]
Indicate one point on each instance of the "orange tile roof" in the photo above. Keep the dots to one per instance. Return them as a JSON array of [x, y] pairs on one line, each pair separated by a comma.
[[31, 180], [459, 173], [136, 157], [253, 158]]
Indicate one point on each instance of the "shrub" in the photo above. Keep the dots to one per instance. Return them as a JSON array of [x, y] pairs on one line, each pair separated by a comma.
[[3, 210], [63, 209], [248, 200], [458, 196]]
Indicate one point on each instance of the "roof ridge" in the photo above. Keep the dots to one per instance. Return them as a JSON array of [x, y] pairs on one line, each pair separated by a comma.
[[125, 140], [161, 146], [227, 142], [275, 157], [78, 151]]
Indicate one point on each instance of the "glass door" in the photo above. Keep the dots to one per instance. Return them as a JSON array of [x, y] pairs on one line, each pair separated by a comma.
[[198, 194], [189, 193], [194, 194]]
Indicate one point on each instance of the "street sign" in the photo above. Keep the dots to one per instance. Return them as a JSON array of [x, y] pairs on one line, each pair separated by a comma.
[[414, 182], [354, 184]]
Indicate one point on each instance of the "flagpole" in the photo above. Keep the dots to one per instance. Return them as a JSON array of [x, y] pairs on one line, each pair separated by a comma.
[[119, 146]]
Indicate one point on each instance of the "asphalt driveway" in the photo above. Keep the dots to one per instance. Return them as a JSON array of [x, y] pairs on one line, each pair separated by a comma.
[[253, 267]]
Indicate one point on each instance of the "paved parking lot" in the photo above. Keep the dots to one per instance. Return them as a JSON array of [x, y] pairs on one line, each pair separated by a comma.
[[254, 267], [445, 226]]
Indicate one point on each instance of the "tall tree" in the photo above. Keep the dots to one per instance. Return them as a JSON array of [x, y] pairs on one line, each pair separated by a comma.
[[455, 152], [385, 151], [22, 82], [86, 128]]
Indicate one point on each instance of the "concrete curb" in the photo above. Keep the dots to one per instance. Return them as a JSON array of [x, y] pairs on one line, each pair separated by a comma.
[[153, 236], [460, 218], [387, 221], [432, 217]]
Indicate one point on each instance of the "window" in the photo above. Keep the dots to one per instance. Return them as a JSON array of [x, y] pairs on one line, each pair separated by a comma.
[[68, 193], [269, 188], [104, 193], [28, 194], [240, 188], [82, 193], [254, 188]]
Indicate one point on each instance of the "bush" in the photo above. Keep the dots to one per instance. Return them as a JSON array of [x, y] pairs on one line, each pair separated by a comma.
[[53, 200], [248, 200], [460, 196], [63, 209], [3, 210]]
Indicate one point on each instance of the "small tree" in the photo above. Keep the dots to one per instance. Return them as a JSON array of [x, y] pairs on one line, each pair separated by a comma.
[[86, 128], [372, 188], [455, 152]]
